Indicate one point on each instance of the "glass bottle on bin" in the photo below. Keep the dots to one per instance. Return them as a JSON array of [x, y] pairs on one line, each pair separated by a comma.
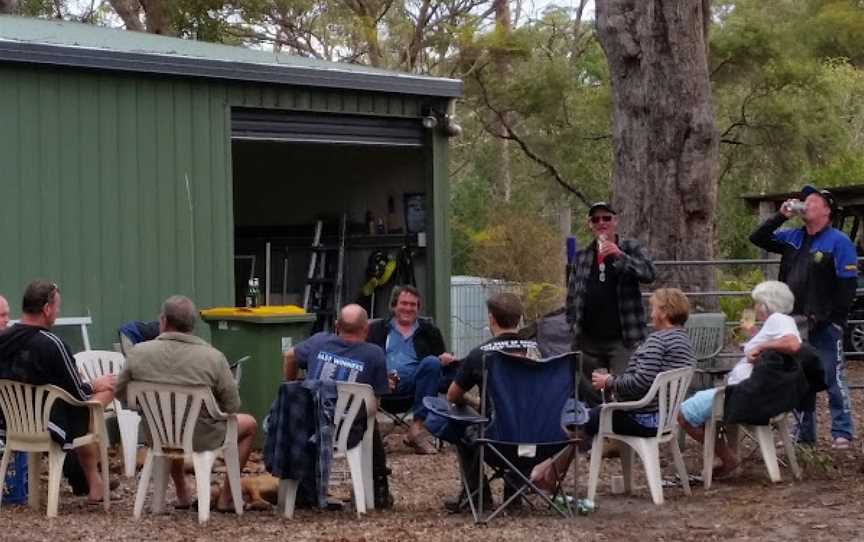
[[252, 294]]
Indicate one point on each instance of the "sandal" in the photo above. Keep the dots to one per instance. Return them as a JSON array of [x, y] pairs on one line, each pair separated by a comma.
[[112, 497], [422, 447], [228, 510], [186, 506]]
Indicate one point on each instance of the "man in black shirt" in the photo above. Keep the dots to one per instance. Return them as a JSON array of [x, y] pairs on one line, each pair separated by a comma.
[[505, 312], [604, 302], [30, 353]]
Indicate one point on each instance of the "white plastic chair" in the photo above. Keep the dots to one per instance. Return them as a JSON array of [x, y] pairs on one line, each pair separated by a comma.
[[26, 409], [762, 434], [350, 396], [125, 344], [670, 387], [172, 412], [94, 364]]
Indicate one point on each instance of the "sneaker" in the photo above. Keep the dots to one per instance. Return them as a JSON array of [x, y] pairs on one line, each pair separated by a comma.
[[841, 443], [457, 504]]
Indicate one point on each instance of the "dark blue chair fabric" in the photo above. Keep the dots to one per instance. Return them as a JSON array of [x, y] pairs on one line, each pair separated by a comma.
[[528, 396]]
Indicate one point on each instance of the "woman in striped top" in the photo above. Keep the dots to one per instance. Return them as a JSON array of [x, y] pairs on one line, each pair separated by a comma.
[[666, 349]]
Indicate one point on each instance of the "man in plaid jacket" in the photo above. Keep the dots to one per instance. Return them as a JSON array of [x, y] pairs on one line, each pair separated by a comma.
[[604, 302]]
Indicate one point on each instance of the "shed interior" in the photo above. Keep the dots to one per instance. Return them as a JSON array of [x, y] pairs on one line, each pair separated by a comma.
[[283, 188]]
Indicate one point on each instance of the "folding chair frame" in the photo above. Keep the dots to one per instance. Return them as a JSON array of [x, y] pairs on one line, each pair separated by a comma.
[[398, 418], [477, 510]]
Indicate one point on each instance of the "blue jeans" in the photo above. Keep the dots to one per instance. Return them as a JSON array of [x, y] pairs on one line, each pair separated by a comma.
[[423, 379], [827, 339]]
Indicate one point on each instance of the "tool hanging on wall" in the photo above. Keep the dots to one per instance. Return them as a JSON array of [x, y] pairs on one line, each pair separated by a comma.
[[405, 265], [384, 269], [379, 271]]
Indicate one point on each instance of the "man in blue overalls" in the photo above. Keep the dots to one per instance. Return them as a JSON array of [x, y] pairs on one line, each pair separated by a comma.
[[819, 263]]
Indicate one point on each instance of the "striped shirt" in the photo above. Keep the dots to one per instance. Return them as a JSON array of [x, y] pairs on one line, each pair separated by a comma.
[[662, 351]]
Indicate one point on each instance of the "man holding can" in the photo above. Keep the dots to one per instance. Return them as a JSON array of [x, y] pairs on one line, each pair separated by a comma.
[[819, 263], [604, 301]]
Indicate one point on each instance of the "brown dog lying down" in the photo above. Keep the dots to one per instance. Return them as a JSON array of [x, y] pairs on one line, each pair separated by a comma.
[[260, 492]]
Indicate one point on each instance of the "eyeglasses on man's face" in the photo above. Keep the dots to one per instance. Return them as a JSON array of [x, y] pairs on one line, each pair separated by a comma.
[[596, 219]]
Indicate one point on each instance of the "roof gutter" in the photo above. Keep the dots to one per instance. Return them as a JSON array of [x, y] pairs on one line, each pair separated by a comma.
[[159, 64]]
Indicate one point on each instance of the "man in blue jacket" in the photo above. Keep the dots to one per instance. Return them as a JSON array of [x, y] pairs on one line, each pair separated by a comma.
[[819, 263]]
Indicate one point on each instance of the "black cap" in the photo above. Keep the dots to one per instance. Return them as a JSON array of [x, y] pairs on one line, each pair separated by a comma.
[[826, 195], [600, 205]]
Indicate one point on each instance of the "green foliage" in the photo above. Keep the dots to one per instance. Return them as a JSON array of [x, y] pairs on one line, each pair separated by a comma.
[[470, 211], [743, 281], [788, 103], [812, 458]]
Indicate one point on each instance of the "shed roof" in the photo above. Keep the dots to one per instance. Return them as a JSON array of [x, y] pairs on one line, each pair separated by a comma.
[[62, 43]]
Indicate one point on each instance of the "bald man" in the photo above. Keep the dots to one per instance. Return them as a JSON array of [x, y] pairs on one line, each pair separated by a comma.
[[346, 357], [343, 357], [4, 313]]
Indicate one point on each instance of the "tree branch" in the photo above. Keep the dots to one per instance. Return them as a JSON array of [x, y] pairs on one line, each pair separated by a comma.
[[512, 135]]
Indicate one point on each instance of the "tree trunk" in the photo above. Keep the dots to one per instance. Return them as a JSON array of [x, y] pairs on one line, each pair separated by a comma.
[[158, 20], [130, 12], [8, 6], [367, 13], [503, 69], [665, 140]]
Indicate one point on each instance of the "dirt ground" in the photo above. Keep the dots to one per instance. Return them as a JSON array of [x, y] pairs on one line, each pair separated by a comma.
[[825, 505]]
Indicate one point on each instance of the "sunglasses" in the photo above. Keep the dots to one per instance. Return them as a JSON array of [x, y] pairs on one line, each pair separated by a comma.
[[601, 218]]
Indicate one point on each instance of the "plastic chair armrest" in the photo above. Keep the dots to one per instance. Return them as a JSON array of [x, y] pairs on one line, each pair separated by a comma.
[[214, 410]]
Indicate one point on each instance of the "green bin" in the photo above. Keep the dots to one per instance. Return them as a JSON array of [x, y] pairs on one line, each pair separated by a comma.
[[264, 337]]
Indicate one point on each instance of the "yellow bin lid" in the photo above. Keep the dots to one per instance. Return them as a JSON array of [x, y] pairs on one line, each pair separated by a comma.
[[269, 314]]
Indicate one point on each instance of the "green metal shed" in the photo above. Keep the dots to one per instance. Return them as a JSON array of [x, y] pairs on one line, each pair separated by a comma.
[[137, 166]]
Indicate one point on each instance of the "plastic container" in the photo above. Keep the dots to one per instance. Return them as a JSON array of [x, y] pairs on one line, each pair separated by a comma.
[[263, 333], [15, 487]]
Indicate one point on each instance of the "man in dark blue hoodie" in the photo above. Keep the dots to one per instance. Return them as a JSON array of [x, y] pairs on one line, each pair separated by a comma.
[[30, 353]]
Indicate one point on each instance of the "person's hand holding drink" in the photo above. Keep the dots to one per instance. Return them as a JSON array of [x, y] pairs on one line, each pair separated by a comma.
[[793, 207]]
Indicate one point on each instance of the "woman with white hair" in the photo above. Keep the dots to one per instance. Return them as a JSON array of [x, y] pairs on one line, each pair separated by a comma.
[[773, 301]]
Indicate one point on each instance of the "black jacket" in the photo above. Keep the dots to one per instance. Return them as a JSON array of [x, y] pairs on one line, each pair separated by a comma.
[[779, 383], [428, 340], [34, 355]]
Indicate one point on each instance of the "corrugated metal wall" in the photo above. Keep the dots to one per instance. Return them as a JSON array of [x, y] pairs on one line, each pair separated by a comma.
[[119, 187]]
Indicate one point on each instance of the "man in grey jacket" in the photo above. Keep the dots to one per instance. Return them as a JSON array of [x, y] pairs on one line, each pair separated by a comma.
[[178, 357]]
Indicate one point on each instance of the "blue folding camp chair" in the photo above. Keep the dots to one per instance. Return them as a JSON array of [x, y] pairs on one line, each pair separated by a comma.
[[522, 401]]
